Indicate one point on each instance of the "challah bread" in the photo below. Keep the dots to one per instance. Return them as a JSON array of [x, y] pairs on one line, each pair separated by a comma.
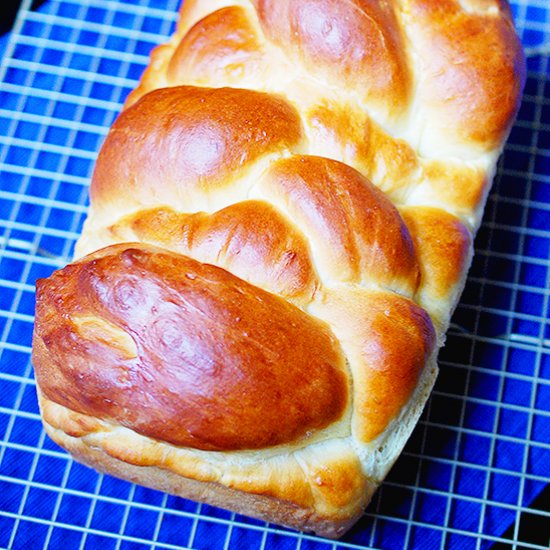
[[280, 227]]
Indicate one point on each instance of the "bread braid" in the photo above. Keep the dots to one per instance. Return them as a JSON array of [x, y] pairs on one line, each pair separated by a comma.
[[280, 227]]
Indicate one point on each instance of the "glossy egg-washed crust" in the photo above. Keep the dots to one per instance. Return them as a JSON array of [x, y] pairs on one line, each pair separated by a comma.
[[281, 224]]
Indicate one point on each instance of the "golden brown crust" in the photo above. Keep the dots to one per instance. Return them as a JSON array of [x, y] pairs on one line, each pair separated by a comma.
[[313, 173], [320, 487], [217, 363], [356, 43], [348, 134], [356, 232], [241, 501], [205, 140], [387, 340], [223, 44], [444, 248], [463, 50], [250, 239]]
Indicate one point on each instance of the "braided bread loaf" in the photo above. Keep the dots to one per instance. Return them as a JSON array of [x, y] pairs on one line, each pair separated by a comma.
[[281, 223]]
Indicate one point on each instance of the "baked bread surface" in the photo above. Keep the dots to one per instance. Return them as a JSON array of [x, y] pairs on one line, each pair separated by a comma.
[[280, 227]]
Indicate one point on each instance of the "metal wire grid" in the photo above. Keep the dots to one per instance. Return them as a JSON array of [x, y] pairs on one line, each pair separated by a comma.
[[481, 451]]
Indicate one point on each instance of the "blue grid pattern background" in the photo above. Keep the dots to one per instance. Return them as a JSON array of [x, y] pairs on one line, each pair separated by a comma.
[[479, 456]]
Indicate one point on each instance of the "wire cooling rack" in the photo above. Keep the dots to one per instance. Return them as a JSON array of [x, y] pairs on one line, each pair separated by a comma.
[[480, 455]]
